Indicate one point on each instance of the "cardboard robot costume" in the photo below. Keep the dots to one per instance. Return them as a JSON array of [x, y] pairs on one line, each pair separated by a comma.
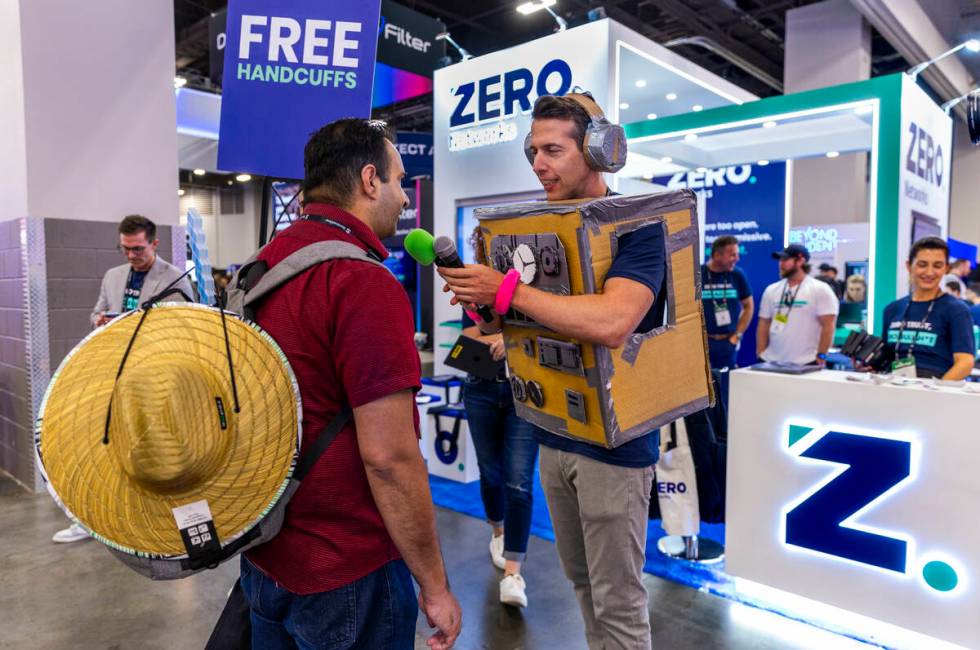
[[587, 391]]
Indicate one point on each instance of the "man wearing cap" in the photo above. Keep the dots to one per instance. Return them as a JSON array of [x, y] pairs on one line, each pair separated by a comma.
[[797, 315], [362, 524], [598, 498], [828, 274]]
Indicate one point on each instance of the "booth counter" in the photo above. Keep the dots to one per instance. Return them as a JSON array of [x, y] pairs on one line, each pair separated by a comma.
[[859, 496]]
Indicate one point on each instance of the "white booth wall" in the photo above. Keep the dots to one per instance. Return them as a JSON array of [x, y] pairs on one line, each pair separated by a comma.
[[498, 173]]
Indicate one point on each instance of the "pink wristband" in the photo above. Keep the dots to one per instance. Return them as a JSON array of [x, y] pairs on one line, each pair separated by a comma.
[[506, 291], [475, 317]]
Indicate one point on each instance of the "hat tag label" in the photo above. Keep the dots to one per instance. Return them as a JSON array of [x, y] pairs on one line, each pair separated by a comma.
[[197, 528], [222, 418]]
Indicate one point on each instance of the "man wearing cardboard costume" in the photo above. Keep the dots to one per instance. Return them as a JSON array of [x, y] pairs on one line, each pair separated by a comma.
[[598, 497]]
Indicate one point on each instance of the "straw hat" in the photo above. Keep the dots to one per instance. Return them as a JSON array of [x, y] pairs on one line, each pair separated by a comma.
[[174, 437]]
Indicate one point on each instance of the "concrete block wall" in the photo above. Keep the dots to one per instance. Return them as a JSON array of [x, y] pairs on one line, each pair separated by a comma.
[[16, 430], [60, 268], [78, 255]]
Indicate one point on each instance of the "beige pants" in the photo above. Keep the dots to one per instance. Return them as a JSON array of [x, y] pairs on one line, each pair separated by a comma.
[[599, 513]]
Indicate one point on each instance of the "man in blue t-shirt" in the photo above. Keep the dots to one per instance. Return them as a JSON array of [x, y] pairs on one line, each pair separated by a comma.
[[727, 299], [598, 498]]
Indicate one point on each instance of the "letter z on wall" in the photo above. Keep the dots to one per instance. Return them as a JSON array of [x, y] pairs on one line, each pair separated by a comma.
[[291, 67]]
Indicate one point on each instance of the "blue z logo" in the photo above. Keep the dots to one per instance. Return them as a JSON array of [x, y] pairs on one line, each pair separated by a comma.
[[874, 466]]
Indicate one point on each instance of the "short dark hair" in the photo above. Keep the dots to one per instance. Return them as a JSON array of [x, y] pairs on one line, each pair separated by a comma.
[[135, 224], [720, 243], [335, 155], [929, 244], [554, 107], [953, 285]]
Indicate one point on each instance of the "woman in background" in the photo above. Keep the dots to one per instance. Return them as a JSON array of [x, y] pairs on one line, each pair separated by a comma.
[[506, 452]]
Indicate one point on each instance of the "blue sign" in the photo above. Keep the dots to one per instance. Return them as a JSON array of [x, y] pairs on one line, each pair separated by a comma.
[[291, 67], [416, 152], [749, 202]]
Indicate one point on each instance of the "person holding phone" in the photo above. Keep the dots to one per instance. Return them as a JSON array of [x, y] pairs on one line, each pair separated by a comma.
[[506, 451], [929, 332]]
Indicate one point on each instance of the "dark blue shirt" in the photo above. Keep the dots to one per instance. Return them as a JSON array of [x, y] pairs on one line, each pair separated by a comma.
[[134, 285], [719, 290], [975, 314], [948, 330], [642, 257]]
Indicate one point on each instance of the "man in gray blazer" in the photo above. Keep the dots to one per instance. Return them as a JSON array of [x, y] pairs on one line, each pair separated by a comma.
[[125, 287]]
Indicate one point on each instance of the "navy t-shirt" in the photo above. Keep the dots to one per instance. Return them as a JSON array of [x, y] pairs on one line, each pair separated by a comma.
[[642, 256], [720, 290], [948, 330], [134, 286], [975, 314]]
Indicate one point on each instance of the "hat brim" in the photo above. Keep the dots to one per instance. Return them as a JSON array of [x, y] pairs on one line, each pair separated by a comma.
[[85, 475]]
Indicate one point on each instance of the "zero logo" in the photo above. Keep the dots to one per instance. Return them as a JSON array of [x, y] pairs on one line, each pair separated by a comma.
[[827, 520], [924, 157], [503, 95]]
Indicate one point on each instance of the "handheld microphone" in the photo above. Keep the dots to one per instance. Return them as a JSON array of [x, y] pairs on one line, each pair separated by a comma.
[[442, 251]]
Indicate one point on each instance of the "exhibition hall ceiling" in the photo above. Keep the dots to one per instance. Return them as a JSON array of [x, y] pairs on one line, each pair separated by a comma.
[[749, 30]]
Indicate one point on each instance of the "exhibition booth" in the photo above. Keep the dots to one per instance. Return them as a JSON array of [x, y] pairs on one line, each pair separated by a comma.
[[826, 520]]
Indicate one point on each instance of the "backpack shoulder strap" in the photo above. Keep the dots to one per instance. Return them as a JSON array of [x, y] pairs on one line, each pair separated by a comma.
[[327, 435], [302, 260]]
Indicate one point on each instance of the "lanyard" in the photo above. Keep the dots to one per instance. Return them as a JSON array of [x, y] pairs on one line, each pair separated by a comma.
[[792, 300], [915, 337], [339, 226], [727, 278], [329, 222]]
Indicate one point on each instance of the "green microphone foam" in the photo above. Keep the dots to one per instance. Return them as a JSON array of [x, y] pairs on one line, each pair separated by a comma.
[[419, 244]]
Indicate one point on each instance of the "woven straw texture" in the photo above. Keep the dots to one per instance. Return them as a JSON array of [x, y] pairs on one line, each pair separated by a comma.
[[167, 446]]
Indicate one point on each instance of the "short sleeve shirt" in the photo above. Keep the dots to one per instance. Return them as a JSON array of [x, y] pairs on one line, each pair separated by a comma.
[[721, 291], [803, 307], [947, 330], [347, 329], [642, 257]]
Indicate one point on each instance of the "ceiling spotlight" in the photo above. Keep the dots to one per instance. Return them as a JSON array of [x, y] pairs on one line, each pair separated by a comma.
[[641, 83], [666, 159], [651, 116], [444, 36], [864, 109], [179, 82], [243, 178], [972, 45], [833, 154], [199, 172], [623, 106], [231, 182], [690, 137], [702, 170], [671, 96], [648, 176], [531, 7], [697, 108], [768, 124], [180, 191], [762, 163]]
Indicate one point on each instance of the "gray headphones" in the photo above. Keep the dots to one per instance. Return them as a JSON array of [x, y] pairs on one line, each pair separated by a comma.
[[604, 145]]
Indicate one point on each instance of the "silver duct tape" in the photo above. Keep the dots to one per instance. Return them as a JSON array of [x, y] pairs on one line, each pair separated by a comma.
[[178, 245], [33, 255], [617, 437]]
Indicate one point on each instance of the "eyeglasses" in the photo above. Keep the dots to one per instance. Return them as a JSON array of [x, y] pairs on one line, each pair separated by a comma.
[[135, 250]]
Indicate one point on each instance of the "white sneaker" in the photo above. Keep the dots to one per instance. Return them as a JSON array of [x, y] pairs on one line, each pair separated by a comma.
[[497, 551], [73, 533], [512, 591]]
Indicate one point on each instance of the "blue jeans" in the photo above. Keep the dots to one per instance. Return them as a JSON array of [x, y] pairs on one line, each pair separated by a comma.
[[506, 452], [721, 354], [376, 611]]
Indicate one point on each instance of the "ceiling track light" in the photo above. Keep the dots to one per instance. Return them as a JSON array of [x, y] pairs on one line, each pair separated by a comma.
[[972, 45], [528, 8], [444, 36]]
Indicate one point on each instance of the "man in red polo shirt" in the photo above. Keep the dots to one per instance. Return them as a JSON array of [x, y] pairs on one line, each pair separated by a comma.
[[361, 525]]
